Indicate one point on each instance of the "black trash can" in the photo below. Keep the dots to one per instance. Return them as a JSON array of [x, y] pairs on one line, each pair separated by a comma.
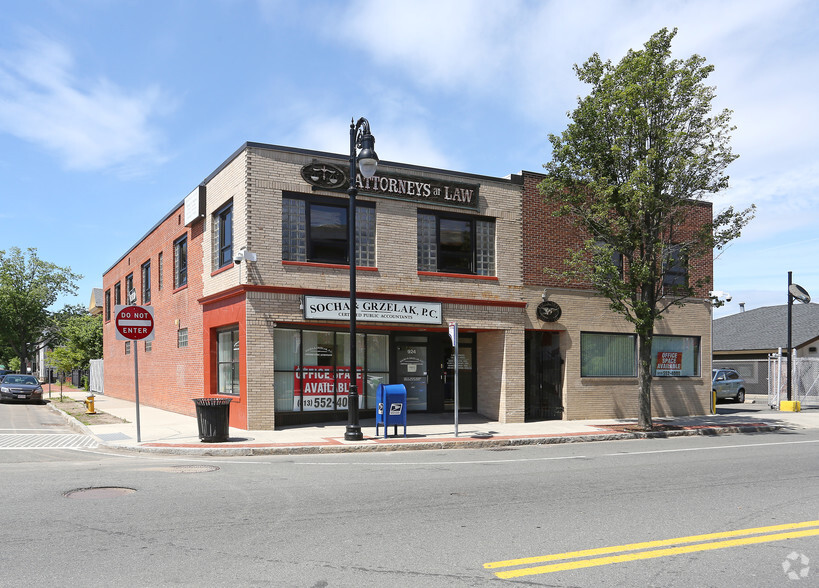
[[213, 417]]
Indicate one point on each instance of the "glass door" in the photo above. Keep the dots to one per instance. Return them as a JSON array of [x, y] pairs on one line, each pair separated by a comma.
[[466, 384], [412, 369]]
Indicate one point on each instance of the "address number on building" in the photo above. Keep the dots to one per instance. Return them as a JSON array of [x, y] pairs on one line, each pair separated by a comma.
[[323, 402]]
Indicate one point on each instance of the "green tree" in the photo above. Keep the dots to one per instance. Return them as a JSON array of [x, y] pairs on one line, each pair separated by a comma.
[[640, 150], [81, 334], [64, 360], [28, 287]]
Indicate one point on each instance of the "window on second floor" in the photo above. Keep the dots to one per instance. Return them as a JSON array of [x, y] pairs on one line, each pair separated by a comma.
[[107, 305], [159, 272], [117, 294], [223, 236], [146, 282], [180, 262], [675, 270], [616, 258], [456, 244], [130, 293], [315, 230]]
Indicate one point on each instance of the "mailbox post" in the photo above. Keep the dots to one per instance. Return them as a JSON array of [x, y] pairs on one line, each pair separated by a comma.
[[391, 400]]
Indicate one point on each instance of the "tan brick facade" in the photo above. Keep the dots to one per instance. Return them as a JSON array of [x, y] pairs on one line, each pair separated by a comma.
[[547, 239], [260, 296]]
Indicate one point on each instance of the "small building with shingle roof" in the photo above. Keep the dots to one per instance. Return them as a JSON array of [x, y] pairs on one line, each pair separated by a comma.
[[756, 333]]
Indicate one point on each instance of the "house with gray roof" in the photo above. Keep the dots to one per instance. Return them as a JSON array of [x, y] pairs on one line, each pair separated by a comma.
[[756, 333], [746, 340]]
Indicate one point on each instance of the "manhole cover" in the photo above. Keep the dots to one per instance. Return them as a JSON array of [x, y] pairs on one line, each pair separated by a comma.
[[100, 492], [187, 469]]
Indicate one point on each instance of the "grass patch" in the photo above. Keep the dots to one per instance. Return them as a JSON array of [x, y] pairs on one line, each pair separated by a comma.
[[76, 409]]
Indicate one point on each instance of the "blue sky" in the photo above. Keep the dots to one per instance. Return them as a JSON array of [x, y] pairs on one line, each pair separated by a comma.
[[111, 111]]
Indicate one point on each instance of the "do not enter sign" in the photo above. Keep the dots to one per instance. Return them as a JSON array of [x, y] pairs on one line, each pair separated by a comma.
[[134, 323]]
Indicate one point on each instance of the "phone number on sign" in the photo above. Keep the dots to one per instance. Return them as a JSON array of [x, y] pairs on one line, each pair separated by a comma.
[[322, 402]]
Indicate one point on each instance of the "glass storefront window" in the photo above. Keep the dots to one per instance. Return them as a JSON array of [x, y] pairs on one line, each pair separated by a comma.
[[675, 356], [319, 348], [608, 354], [287, 362], [312, 369], [378, 365], [227, 344]]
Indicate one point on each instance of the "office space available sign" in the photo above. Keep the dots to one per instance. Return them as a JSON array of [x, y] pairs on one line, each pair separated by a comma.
[[370, 309], [669, 363], [314, 388]]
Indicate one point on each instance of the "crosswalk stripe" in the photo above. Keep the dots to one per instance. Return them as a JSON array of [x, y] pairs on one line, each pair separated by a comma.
[[46, 441]]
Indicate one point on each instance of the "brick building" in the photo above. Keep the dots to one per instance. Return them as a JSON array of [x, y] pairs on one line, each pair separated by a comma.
[[270, 330]]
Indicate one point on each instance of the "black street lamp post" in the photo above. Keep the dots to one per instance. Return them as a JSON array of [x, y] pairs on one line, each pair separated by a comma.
[[360, 136], [795, 292]]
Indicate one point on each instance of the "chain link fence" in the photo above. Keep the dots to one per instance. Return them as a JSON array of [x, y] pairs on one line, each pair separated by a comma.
[[804, 381]]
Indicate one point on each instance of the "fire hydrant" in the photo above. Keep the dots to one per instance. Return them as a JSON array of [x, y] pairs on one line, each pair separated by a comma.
[[89, 405]]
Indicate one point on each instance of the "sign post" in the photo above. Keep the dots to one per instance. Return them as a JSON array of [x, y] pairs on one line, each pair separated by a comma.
[[453, 334], [134, 323]]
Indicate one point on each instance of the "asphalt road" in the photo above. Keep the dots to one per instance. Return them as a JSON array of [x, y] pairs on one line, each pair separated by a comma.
[[418, 518]]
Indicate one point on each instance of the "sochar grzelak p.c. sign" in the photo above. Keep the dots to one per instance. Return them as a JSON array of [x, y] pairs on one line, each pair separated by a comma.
[[368, 309], [134, 323], [328, 176]]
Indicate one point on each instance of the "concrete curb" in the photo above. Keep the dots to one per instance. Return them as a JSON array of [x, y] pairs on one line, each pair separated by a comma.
[[74, 423], [221, 451]]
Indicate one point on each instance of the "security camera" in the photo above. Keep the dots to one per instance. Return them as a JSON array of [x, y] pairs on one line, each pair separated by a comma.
[[719, 294], [238, 257]]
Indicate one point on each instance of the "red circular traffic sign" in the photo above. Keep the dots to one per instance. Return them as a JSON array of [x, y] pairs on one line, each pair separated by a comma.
[[134, 322]]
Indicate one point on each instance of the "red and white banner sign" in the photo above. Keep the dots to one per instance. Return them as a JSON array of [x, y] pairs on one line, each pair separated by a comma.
[[313, 388], [134, 323], [669, 363]]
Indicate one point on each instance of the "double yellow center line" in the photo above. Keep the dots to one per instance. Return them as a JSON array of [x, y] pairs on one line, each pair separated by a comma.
[[649, 549]]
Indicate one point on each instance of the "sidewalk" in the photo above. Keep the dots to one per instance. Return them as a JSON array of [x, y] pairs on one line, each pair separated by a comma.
[[168, 432]]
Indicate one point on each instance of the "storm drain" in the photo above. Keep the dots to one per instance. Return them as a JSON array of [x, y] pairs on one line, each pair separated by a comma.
[[99, 492], [503, 449]]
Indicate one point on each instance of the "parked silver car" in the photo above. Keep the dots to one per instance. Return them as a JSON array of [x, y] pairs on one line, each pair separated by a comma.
[[727, 383]]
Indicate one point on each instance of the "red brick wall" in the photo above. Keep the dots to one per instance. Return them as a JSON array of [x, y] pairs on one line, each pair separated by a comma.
[[169, 377], [547, 238]]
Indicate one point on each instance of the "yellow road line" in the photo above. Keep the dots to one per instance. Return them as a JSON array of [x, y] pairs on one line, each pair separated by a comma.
[[654, 553]]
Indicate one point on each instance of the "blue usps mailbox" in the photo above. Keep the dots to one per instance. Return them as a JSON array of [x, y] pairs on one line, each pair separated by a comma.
[[391, 400]]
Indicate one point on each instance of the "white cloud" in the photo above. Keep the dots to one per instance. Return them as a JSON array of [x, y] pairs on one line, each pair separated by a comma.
[[400, 127], [88, 124], [441, 44]]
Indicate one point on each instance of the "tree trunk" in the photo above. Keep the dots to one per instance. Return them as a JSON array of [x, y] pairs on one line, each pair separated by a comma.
[[644, 378]]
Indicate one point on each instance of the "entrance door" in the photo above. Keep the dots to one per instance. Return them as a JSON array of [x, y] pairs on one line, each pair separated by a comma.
[[412, 369], [466, 384], [544, 376]]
